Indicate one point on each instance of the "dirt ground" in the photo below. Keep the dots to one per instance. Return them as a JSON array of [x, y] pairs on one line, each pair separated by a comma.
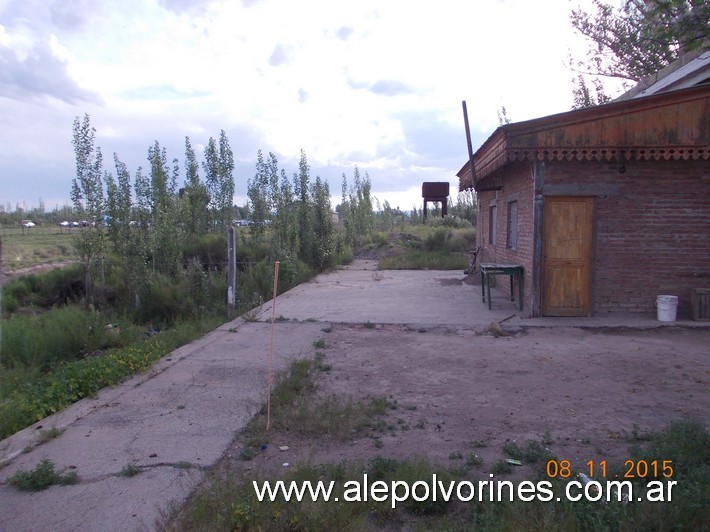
[[587, 394]]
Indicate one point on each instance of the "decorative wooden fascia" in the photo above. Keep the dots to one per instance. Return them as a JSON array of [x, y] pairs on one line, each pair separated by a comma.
[[669, 126], [649, 153]]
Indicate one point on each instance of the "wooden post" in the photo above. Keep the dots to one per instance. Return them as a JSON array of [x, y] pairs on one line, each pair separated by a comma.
[[271, 347], [538, 185], [231, 272], [470, 147]]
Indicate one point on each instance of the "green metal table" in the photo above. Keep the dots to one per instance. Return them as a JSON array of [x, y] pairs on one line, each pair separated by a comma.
[[512, 270]]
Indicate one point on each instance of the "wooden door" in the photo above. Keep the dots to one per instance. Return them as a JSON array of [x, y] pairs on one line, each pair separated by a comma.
[[567, 256]]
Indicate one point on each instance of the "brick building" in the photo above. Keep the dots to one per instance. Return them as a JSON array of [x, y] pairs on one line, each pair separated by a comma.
[[605, 207]]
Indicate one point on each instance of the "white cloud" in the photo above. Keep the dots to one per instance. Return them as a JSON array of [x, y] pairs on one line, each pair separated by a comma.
[[377, 84]]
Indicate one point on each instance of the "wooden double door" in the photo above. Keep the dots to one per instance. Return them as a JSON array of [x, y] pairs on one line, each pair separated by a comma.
[[567, 255]]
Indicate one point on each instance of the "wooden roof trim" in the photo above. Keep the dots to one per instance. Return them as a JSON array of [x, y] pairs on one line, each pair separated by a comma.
[[607, 110], [648, 153], [499, 149], [609, 154]]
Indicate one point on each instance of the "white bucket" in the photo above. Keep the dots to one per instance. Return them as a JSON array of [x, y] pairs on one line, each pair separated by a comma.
[[666, 307]]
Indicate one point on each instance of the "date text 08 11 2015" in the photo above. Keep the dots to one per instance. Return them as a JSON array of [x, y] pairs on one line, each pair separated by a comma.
[[633, 469]]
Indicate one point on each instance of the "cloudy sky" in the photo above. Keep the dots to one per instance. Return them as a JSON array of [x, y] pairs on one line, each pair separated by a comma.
[[372, 83]]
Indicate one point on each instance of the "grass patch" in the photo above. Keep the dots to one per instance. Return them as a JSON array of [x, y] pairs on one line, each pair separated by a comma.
[[532, 453], [248, 453], [319, 344], [38, 245], [41, 477], [36, 396], [425, 260], [427, 248], [130, 470], [319, 362], [501, 467], [293, 409], [473, 460], [60, 334], [46, 435]]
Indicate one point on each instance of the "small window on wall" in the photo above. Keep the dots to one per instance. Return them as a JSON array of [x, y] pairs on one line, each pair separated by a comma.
[[492, 210], [512, 239]]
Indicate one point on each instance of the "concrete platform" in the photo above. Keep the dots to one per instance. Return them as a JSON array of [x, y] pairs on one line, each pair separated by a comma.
[[428, 298]]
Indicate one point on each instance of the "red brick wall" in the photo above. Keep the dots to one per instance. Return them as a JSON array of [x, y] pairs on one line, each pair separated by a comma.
[[652, 234], [652, 228], [518, 184]]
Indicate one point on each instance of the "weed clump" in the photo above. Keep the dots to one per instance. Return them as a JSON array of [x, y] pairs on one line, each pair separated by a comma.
[[130, 470], [41, 477]]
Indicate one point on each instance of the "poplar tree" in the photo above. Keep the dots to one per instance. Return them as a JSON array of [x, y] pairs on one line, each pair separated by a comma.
[[195, 196], [166, 242], [128, 239], [88, 198], [211, 168], [258, 192], [301, 184], [322, 225], [219, 168], [225, 196]]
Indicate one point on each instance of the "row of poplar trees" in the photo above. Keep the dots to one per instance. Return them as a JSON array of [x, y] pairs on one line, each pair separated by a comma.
[[128, 207], [296, 211]]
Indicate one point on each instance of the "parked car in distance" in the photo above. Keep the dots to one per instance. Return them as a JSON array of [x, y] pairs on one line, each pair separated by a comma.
[[28, 223], [65, 223]]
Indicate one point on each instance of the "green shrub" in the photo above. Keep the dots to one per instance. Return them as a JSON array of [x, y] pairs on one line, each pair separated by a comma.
[[15, 294], [380, 239], [165, 301], [438, 239], [199, 283], [58, 286], [41, 477], [61, 285], [210, 249], [8, 303], [462, 240]]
